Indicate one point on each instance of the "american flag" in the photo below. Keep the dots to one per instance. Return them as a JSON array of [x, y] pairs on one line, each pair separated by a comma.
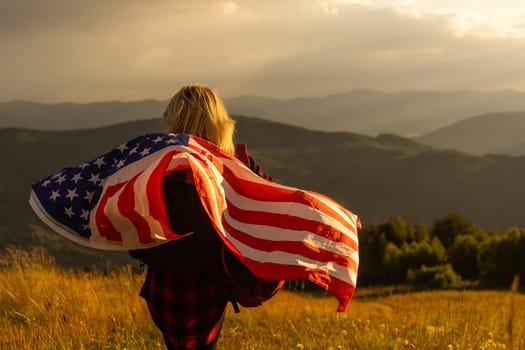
[[115, 202]]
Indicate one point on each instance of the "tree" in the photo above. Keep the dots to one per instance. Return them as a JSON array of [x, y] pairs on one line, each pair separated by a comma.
[[451, 225], [463, 255], [413, 255], [372, 245], [428, 252], [502, 257], [421, 233], [440, 276], [393, 269], [397, 230]]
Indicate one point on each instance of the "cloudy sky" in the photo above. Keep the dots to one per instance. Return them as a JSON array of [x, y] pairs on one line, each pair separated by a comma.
[[66, 50]]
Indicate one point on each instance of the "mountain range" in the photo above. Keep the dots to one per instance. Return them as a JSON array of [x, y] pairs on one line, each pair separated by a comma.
[[404, 113], [488, 133], [376, 177]]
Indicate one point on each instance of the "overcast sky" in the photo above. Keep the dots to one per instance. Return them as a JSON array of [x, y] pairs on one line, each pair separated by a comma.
[[66, 50]]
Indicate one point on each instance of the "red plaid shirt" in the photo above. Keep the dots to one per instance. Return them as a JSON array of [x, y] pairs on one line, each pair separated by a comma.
[[187, 307]]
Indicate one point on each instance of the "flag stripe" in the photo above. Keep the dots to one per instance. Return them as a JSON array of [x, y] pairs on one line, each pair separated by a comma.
[[290, 223], [150, 185], [260, 263], [280, 199], [104, 225], [264, 237], [126, 206], [127, 229], [316, 255]]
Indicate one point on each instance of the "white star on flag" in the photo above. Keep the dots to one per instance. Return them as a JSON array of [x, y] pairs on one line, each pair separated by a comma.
[[69, 212], [89, 196], [122, 147], [54, 195], [76, 178], [99, 162], [145, 152], [71, 194], [85, 214], [45, 183], [60, 179], [94, 178]]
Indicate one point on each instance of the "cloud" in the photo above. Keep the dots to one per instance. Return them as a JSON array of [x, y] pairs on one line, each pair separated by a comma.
[[118, 49], [229, 7]]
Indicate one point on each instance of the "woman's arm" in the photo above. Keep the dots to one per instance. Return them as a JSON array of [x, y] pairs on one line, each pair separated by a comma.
[[241, 152]]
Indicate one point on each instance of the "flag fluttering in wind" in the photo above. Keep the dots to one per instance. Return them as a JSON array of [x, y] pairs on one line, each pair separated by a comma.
[[115, 202]]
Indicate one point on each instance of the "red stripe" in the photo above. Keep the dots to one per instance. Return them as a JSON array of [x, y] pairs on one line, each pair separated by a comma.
[[104, 226], [155, 195], [207, 147], [267, 192], [208, 153], [293, 247], [126, 206], [210, 192], [332, 204], [271, 271], [291, 223]]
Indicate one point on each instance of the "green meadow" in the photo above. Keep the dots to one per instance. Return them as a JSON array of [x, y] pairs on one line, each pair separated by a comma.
[[45, 307]]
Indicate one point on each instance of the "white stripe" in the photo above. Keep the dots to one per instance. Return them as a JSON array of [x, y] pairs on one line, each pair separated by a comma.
[[218, 179], [287, 208], [246, 174], [272, 233], [342, 273], [142, 201], [122, 224], [349, 217], [243, 172], [217, 200], [129, 171]]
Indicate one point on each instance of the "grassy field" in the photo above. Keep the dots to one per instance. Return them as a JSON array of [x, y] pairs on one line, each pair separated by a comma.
[[43, 307]]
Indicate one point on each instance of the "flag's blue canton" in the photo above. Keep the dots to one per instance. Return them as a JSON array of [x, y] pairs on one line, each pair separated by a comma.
[[69, 195]]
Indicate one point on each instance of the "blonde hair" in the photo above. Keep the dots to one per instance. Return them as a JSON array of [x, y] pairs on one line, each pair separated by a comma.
[[198, 110]]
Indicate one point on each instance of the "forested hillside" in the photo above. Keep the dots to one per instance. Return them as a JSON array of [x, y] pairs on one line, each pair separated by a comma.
[[375, 177]]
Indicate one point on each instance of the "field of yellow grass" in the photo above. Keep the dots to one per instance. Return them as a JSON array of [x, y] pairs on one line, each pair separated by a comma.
[[44, 307]]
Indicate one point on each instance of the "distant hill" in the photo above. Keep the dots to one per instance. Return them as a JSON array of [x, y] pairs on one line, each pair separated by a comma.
[[376, 177], [489, 133], [70, 116], [405, 113]]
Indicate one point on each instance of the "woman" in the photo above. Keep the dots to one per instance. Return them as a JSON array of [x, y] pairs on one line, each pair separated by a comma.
[[184, 286]]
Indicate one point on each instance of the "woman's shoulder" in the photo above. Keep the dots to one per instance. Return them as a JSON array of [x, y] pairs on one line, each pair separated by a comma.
[[242, 153]]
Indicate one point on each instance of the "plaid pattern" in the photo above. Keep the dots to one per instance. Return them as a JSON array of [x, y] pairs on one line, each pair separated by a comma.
[[187, 307]]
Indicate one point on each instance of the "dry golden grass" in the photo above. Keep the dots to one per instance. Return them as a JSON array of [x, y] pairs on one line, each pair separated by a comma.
[[43, 307]]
